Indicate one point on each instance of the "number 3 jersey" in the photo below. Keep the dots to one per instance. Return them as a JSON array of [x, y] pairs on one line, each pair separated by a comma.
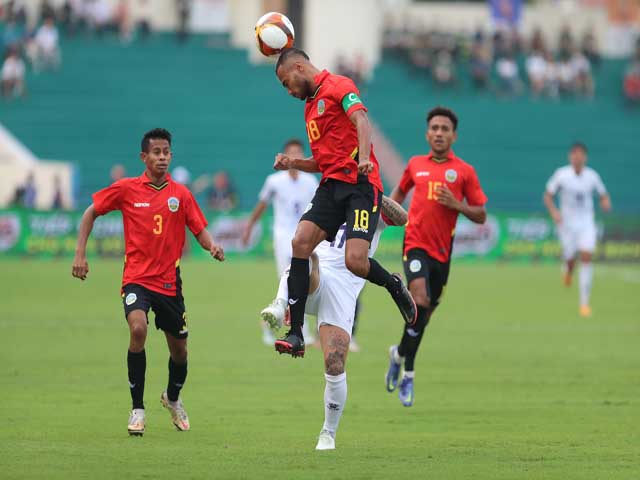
[[431, 226], [332, 136], [154, 220], [576, 193]]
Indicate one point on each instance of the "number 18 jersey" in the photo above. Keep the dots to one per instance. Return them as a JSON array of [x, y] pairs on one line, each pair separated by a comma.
[[154, 220]]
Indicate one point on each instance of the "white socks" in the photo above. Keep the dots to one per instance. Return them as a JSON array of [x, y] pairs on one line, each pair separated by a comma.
[[585, 280], [283, 289], [335, 397]]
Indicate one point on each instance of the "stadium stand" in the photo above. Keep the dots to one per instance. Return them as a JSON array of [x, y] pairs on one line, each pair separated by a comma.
[[95, 111]]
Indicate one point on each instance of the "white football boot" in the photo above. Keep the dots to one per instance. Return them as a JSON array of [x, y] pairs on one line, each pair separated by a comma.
[[178, 415], [274, 313], [136, 422], [326, 441]]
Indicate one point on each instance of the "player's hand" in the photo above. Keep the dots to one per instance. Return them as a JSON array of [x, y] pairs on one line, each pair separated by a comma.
[[445, 197], [282, 162], [80, 267], [557, 218], [287, 318], [217, 252], [246, 234], [365, 168]]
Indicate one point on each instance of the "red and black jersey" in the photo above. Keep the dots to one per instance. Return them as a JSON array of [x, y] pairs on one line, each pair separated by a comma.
[[332, 136], [154, 228], [431, 226]]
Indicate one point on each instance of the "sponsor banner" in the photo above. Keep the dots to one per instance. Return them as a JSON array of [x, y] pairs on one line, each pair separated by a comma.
[[517, 237]]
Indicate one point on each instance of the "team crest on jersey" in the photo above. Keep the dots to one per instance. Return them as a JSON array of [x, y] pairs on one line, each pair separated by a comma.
[[320, 107], [451, 175], [131, 299], [173, 204]]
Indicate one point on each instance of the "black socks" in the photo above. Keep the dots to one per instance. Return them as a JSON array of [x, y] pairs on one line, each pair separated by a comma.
[[137, 365], [377, 274], [177, 377], [298, 284]]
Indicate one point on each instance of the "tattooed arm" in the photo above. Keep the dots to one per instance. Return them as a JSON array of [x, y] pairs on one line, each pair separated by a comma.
[[394, 211]]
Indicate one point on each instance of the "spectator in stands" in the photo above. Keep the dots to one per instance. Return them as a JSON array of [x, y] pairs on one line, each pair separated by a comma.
[[538, 43], [46, 51], [583, 84], [631, 83], [443, 71], [117, 173], [57, 202], [13, 35], [221, 195], [14, 11], [536, 67], [101, 17], [12, 75], [480, 64], [565, 44], [47, 10], [143, 22], [25, 195], [590, 48], [509, 81], [183, 8], [123, 21]]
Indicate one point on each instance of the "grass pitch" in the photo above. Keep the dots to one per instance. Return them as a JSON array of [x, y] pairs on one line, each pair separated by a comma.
[[510, 382]]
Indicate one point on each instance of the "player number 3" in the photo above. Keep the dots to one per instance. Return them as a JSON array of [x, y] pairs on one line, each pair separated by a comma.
[[158, 220]]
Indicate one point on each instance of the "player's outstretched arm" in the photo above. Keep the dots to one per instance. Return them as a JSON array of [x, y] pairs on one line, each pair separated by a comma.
[[361, 121], [398, 195], [206, 241], [261, 206], [282, 162], [80, 267], [393, 211], [605, 202]]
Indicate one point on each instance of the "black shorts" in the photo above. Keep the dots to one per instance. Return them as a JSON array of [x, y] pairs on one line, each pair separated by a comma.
[[418, 264], [169, 311], [337, 202]]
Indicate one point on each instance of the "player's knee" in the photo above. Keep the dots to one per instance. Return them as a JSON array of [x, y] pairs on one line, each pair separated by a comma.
[[179, 356], [334, 364], [420, 297], [301, 246], [357, 263], [138, 332]]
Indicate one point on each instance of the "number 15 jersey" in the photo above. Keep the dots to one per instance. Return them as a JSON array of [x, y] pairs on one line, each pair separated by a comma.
[[431, 226], [154, 220]]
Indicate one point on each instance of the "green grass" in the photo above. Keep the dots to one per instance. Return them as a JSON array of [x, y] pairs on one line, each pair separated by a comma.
[[510, 382]]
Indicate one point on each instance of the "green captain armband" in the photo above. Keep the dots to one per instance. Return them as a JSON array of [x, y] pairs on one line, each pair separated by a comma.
[[349, 100]]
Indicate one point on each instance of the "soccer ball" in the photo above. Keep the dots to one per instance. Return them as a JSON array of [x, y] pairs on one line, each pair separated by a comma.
[[274, 33]]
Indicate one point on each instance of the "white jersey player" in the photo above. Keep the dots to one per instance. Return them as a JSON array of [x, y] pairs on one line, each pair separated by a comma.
[[576, 184], [333, 292], [289, 192]]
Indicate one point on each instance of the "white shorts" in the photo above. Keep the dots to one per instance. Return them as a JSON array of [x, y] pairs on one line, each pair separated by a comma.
[[334, 301], [577, 238], [282, 251]]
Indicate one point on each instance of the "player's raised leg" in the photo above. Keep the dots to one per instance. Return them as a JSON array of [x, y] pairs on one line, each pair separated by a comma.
[[308, 236], [335, 347], [137, 366], [170, 398], [358, 262]]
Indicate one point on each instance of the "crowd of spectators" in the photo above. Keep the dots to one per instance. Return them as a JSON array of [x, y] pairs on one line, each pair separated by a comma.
[[504, 63], [631, 82]]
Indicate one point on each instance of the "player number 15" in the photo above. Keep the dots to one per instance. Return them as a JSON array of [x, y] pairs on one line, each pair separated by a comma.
[[432, 194]]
